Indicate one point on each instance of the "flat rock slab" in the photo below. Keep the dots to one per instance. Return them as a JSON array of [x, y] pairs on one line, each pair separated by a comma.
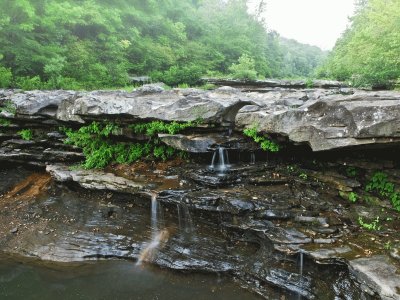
[[94, 179], [378, 273]]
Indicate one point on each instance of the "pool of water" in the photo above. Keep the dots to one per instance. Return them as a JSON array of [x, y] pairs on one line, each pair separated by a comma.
[[117, 279]]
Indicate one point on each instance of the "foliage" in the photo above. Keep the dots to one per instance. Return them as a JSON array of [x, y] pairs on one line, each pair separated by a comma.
[[300, 60], [100, 150], [265, 143], [29, 83], [380, 183], [189, 75], [353, 197], [86, 44], [5, 77], [351, 172], [153, 128], [26, 134], [9, 107], [374, 225], [244, 69], [368, 52]]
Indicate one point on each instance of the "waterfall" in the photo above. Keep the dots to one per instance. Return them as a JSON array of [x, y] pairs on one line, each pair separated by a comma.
[[158, 237], [223, 159], [301, 262], [252, 158], [154, 215], [185, 219]]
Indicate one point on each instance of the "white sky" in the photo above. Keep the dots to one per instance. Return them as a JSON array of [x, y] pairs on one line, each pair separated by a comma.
[[314, 22]]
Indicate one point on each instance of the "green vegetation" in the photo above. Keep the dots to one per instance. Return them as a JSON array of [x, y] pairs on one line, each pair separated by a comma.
[[374, 225], [351, 172], [244, 69], [86, 44], [300, 60], [8, 107], [303, 176], [353, 197], [26, 134], [380, 184], [367, 54], [100, 149], [265, 143]]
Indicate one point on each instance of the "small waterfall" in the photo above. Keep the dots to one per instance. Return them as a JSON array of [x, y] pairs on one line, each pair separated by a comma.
[[154, 215], [185, 219], [223, 159], [301, 263], [158, 237], [252, 158]]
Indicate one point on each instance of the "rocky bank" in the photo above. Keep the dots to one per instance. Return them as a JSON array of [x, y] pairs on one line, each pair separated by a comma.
[[281, 225]]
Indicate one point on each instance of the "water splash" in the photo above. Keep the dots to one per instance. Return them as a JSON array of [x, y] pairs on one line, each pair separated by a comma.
[[158, 238], [148, 253]]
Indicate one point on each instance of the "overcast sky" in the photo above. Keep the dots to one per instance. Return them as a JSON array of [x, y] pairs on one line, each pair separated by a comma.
[[315, 22]]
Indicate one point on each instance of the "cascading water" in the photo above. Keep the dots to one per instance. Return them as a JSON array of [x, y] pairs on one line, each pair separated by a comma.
[[185, 220], [154, 219], [252, 158], [158, 237], [222, 163]]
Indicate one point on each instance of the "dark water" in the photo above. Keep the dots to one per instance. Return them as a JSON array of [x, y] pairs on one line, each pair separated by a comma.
[[110, 280]]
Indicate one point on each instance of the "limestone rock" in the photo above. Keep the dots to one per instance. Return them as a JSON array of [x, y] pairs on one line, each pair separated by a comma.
[[94, 179], [332, 121], [379, 274]]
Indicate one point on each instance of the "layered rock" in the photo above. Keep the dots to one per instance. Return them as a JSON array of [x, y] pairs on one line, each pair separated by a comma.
[[324, 119], [331, 122]]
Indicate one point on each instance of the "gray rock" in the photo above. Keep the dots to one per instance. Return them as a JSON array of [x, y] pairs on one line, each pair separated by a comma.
[[333, 122], [378, 273], [94, 179]]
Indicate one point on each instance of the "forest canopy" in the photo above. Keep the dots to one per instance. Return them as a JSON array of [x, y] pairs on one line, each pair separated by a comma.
[[368, 52], [89, 44]]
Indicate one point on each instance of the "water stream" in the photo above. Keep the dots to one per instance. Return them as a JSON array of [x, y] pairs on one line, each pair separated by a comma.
[[220, 160], [109, 280]]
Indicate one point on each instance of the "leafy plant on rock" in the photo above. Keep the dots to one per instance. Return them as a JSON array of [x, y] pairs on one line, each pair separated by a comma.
[[265, 143], [26, 134], [380, 184], [100, 149]]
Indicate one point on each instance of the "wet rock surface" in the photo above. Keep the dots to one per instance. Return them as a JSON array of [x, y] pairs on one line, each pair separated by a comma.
[[289, 238], [284, 226]]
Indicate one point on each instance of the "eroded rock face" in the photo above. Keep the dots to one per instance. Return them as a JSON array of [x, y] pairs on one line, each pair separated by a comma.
[[150, 102], [94, 179], [331, 121], [325, 119]]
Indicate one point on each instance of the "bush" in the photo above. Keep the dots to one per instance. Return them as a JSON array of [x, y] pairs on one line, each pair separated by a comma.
[[244, 69], [5, 77], [190, 75], [29, 83]]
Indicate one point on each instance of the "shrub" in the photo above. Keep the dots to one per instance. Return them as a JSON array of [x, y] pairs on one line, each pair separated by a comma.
[[244, 69], [29, 83], [5, 77], [26, 134], [190, 75]]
